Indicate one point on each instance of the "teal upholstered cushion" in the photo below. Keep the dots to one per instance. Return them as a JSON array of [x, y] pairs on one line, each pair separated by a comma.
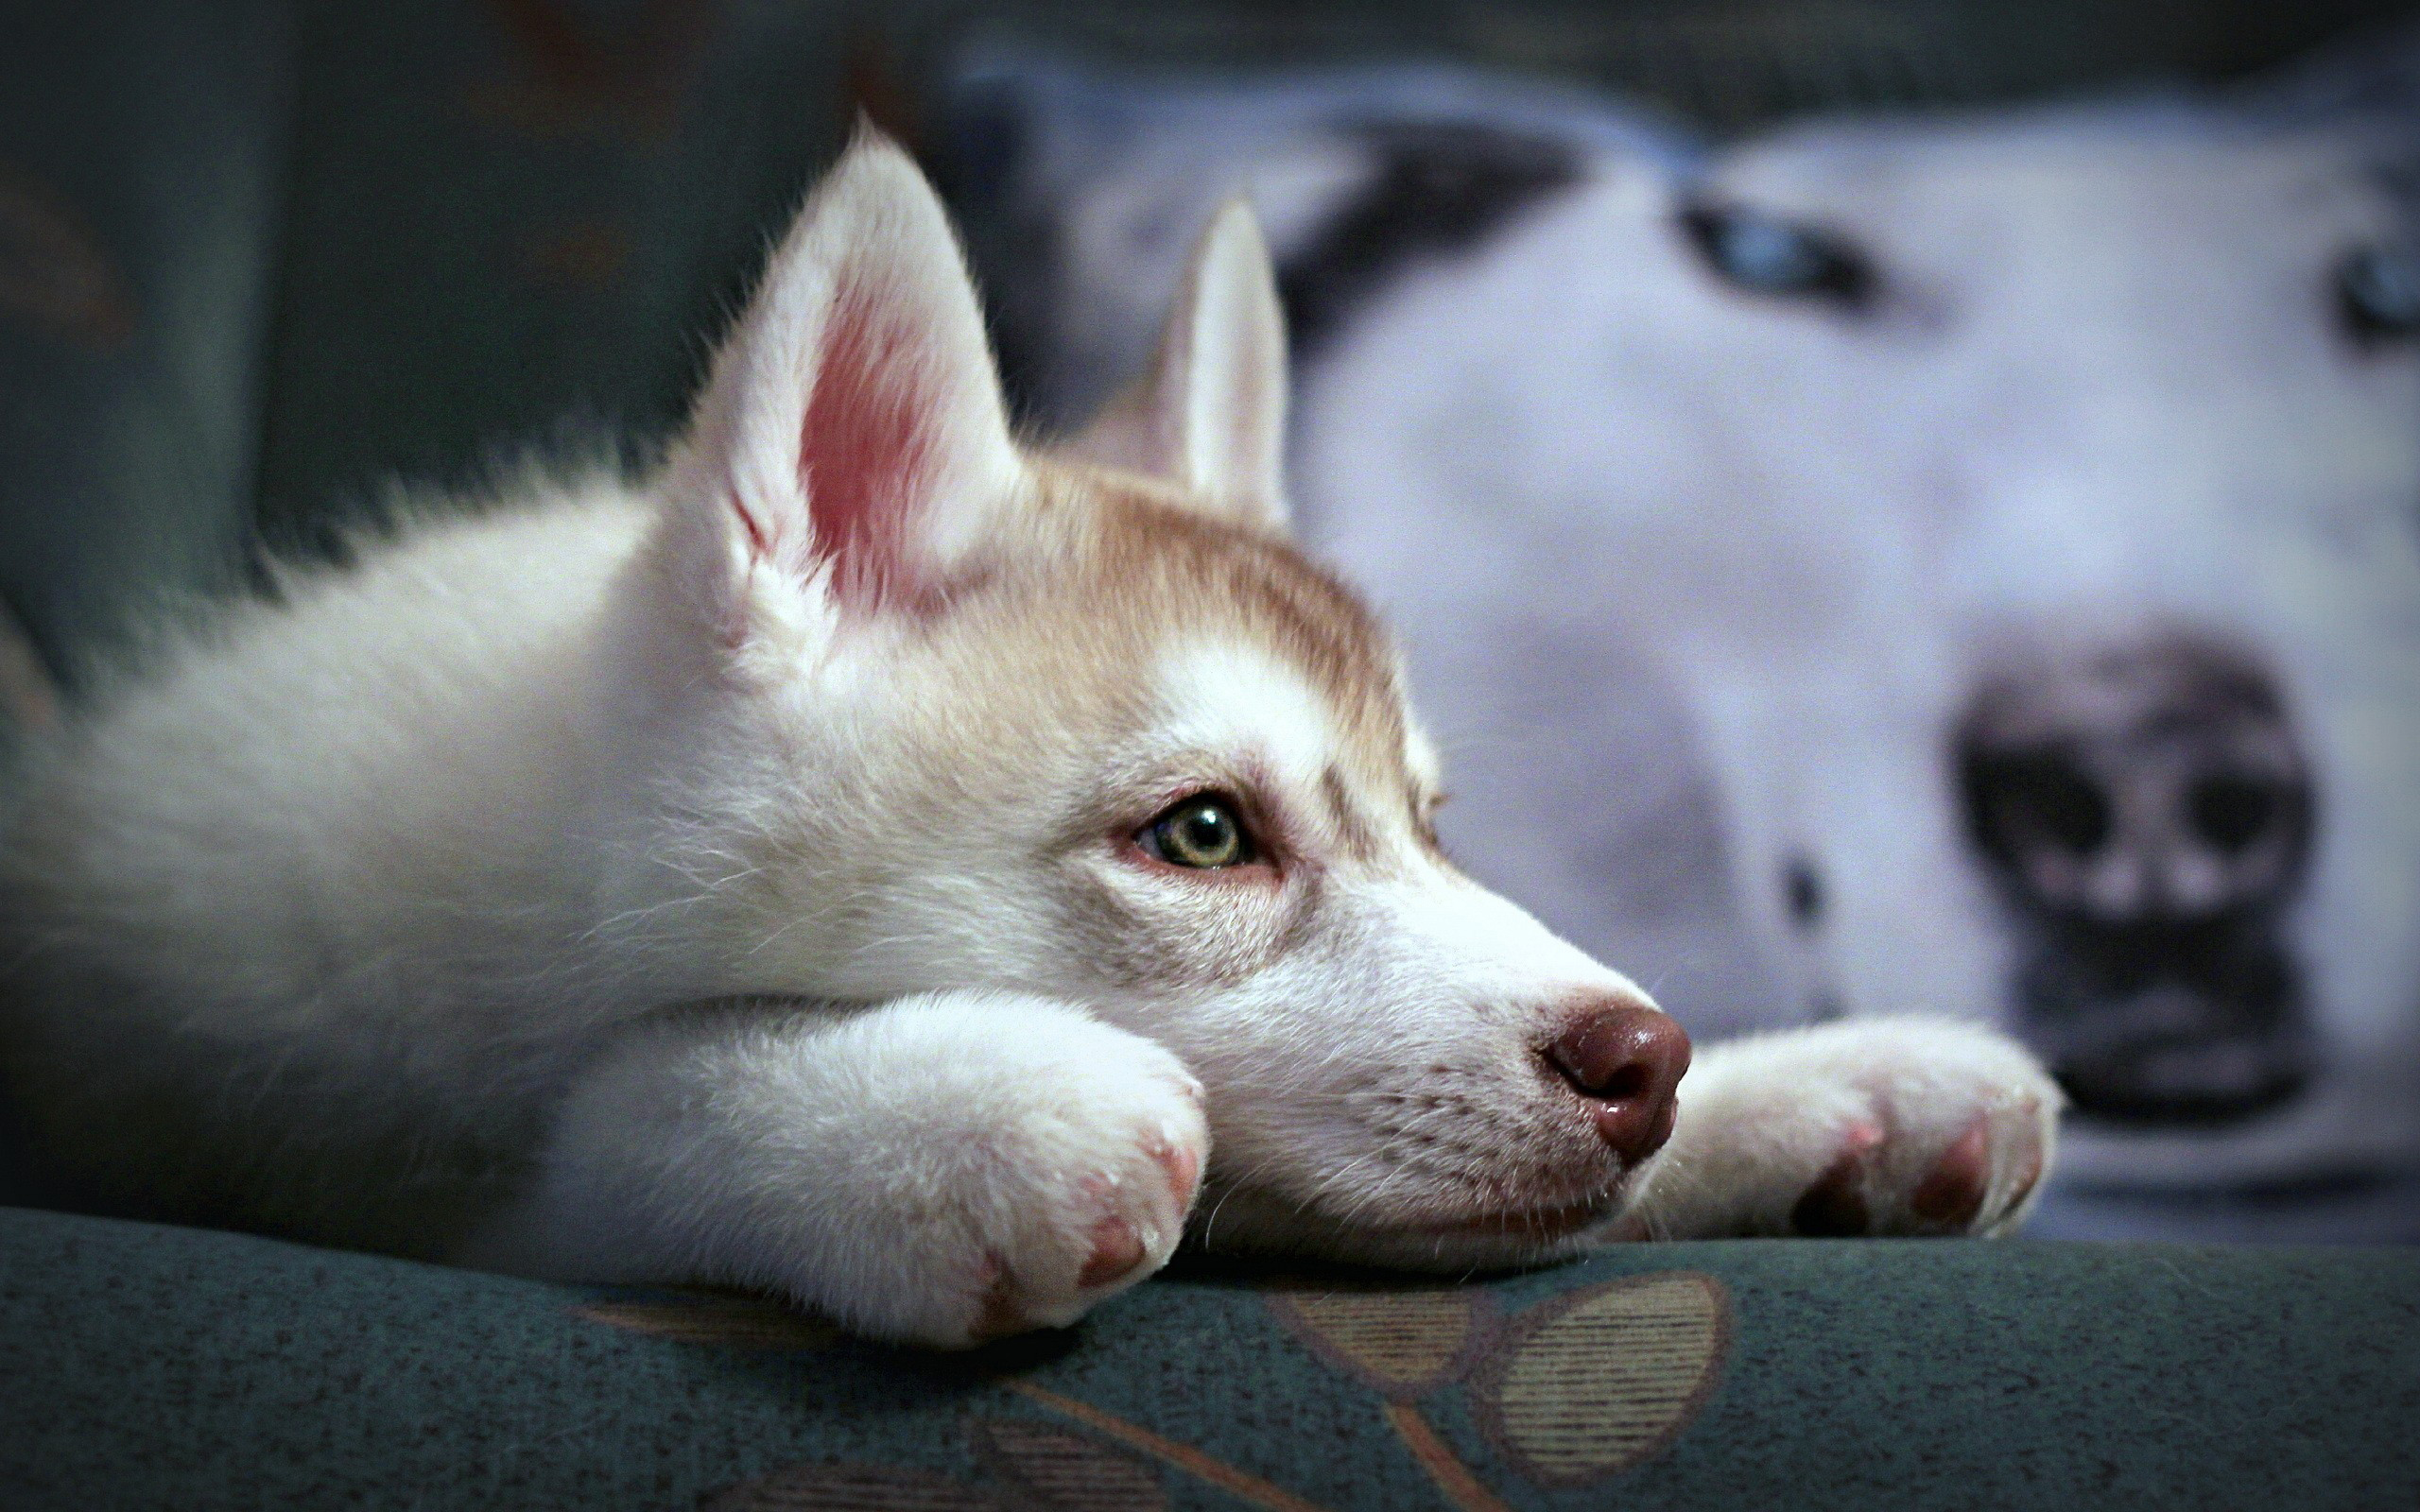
[[158, 1366]]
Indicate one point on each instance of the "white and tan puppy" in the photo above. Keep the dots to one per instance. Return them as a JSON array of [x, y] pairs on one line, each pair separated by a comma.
[[866, 859]]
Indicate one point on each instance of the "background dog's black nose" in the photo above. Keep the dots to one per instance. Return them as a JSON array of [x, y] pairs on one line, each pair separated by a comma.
[[2156, 782], [1626, 1060], [2148, 811]]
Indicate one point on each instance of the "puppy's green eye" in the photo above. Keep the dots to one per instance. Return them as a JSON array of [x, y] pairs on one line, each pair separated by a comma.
[[1203, 833]]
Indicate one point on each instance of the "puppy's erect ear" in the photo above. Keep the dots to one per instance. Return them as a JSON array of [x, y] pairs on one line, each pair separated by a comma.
[[1210, 414], [851, 449]]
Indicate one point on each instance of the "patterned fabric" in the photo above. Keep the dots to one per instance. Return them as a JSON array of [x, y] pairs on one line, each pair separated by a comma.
[[159, 1367]]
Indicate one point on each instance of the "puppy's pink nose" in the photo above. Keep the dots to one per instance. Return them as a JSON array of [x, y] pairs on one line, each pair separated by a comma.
[[1626, 1061]]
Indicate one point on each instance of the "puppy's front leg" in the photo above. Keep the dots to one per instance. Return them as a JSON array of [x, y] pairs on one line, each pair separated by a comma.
[[942, 1169], [1882, 1127]]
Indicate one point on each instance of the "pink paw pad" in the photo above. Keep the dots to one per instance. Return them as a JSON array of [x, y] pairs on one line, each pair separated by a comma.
[[1834, 1207], [1184, 1170], [1116, 1248], [1951, 1193]]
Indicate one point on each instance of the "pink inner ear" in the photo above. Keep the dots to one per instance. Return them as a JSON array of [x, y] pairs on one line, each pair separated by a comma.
[[863, 444]]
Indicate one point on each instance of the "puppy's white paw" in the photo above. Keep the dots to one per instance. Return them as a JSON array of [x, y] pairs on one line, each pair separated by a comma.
[[1042, 1164], [1882, 1127], [1104, 1200]]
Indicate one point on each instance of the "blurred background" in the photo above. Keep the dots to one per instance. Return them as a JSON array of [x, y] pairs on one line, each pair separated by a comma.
[[1891, 506]]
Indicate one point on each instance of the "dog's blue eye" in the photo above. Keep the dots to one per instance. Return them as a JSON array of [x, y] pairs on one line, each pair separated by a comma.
[[2377, 289], [1778, 258], [1202, 832]]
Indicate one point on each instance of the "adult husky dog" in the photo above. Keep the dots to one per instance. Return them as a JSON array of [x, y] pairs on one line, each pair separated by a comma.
[[866, 859]]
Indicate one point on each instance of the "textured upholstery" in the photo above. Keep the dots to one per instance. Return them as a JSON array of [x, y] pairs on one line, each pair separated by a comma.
[[152, 1367]]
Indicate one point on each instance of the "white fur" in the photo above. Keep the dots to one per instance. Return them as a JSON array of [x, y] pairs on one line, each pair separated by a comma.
[[1231, 696]]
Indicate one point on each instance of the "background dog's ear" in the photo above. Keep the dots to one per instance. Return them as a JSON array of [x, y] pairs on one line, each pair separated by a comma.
[[1210, 412], [851, 448]]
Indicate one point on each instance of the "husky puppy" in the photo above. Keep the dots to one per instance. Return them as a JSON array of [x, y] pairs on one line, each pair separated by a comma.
[[866, 860]]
